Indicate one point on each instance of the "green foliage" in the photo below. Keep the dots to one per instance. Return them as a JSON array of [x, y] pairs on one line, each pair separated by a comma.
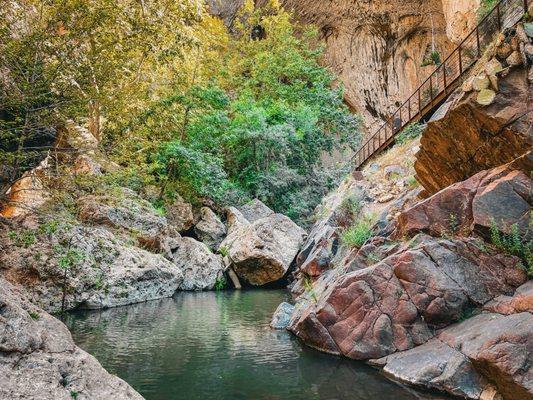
[[352, 205], [220, 283], [34, 315], [223, 251], [513, 243], [49, 227], [433, 59], [69, 258], [24, 238], [485, 7], [359, 233], [257, 127], [412, 182], [410, 132], [308, 287]]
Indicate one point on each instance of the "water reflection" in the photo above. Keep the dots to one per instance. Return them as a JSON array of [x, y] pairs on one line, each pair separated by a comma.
[[219, 346]]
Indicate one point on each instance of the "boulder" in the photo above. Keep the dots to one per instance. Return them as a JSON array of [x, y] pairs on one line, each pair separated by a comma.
[[521, 301], [514, 59], [499, 196], [86, 165], [480, 83], [395, 304], [39, 360], [210, 230], [282, 316], [486, 97], [234, 220], [91, 266], [255, 210], [435, 365], [122, 209], [200, 267], [464, 137], [318, 251], [500, 347], [263, 251], [180, 215]]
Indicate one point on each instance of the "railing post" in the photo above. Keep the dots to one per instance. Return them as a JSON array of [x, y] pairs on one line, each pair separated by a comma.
[[409, 106], [460, 61], [419, 104], [431, 90], [478, 42], [444, 76], [526, 6]]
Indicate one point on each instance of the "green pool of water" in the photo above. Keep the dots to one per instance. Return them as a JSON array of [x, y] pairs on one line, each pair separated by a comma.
[[219, 346]]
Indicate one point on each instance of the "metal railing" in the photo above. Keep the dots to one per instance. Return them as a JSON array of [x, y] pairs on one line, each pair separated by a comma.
[[445, 78]]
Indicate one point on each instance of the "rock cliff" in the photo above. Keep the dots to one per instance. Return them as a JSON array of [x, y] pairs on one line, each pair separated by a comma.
[[378, 47]]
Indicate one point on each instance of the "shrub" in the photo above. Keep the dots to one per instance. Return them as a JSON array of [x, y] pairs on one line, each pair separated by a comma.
[[220, 283], [411, 131], [359, 233], [513, 243]]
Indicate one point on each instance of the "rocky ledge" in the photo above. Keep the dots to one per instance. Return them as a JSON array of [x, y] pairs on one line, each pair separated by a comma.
[[39, 360]]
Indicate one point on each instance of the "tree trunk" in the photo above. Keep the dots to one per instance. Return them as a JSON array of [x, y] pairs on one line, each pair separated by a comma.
[[95, 119]]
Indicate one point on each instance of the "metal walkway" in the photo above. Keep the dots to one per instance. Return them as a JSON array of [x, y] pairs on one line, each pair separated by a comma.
[[444, 79]]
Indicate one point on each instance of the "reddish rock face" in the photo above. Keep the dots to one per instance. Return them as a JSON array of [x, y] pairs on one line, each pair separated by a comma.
[[466, 138], [520, 302], [396, 304], [500, 196], [500, 347]]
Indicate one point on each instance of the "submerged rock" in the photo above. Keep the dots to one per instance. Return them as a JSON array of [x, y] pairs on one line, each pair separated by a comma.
[[282, 316], [39, 360], [262, 252]]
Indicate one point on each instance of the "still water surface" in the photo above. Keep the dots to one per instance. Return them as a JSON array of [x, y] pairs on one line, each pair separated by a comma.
[[219, 346]]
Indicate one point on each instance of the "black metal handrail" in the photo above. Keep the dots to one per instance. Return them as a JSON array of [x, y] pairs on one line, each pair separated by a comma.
[[444, 79]]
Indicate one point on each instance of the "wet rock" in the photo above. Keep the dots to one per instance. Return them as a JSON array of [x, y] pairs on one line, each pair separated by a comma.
[[394, 305], [262, 251], [255, 210], [500, 348], [435, 365], [200, 267], [282, 316], [210, 230], [39, 360], [180, 215]]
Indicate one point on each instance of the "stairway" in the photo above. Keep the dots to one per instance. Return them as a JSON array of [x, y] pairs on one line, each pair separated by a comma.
[[445, 78]]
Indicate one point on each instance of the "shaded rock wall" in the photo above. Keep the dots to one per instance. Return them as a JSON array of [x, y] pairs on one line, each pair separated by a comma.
[[377, 47]]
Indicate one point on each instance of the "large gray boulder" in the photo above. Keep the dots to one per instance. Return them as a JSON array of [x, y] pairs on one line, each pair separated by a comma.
[[180, 215], [262, 251], [200, 267], [39, 360], [255, 210], [210, 230], [91, 266], [122, 209]]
